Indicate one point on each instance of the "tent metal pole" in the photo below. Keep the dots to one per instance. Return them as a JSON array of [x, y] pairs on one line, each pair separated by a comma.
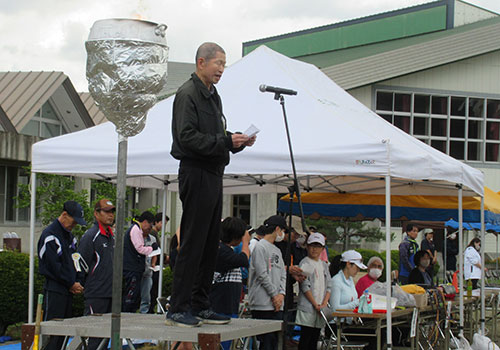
[[31, 279], [163, 241], [388, 271], [461, 260], [445, 252], [483, 247], [121, 187]]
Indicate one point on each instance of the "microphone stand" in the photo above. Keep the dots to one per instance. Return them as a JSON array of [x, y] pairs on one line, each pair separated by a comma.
[[294, 188]]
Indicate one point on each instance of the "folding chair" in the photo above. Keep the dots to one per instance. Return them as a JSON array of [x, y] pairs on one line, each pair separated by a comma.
[[345, 344]]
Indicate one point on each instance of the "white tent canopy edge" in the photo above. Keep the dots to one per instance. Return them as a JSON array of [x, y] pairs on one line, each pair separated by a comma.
[[339, 144]]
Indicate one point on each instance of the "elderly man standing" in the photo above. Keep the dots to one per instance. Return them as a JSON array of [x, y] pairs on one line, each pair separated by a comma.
[[202, 144], [96, 248], [55, 249]]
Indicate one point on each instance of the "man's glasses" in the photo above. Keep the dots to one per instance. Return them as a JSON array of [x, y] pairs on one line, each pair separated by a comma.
[[107, 210]]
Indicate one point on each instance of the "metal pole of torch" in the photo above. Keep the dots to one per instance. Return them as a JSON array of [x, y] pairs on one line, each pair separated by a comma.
[[115, 48], [116, 306]]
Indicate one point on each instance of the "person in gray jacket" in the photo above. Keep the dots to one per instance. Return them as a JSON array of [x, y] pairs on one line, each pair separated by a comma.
[[314, 294], [268, 279]]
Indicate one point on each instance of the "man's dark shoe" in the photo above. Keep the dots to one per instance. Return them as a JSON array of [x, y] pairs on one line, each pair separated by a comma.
[[182, 319], [210, 317]]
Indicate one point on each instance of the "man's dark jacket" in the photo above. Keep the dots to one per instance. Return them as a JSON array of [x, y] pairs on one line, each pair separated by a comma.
[[133, 261], [199, 130], [96, 248], [55, 247]]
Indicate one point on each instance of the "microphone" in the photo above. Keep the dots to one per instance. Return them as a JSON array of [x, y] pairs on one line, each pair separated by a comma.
[[276, 90]]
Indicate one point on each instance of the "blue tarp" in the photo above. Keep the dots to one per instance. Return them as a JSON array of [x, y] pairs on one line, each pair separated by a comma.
[[472, 226]]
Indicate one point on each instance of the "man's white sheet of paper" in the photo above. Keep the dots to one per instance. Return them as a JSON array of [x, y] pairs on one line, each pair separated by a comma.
[[251, 131], [155, 268], [155, 252]]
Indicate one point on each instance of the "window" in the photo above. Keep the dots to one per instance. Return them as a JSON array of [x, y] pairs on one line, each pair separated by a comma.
[[464, 127], [45, 123], [10, 178], [241, 207]]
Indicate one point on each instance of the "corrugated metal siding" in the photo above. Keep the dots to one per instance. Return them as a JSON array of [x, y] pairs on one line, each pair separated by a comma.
[[480, 74], [415, 58], [95, 113], [23, 93]]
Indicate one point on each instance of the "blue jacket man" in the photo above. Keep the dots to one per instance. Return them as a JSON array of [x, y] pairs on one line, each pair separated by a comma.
[[407, 250], [55, 248]]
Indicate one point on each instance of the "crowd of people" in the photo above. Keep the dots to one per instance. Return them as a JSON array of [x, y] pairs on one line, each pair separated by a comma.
[[215, 262], [72, 267], [256, 266]]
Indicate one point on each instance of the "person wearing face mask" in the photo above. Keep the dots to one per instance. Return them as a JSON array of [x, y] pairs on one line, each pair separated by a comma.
[[451, 252], [297, 254], [375, 268], [419, 274], [267, 279], [472, 262], [314, 293], [428, 245]]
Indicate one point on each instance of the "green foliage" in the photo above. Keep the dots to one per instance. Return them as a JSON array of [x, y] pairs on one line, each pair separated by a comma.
[[168, 278], [14, 272], [51, 193], [136, 212], [53, 190], [14, 331], [101, 190], [340, 231]]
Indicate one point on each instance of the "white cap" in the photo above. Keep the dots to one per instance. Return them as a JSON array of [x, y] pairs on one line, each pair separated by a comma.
[[316, 237], [354, 257]]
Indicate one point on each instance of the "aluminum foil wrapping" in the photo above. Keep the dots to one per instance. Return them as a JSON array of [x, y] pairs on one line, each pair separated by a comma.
[[124, 79]]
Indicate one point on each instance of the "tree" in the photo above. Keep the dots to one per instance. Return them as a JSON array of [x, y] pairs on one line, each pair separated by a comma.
[[344, 230], [53, 190]]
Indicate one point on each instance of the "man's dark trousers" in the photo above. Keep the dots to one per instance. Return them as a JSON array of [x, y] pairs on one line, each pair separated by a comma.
[[56, 305], [200, 191], [96, 306], [154, 291]]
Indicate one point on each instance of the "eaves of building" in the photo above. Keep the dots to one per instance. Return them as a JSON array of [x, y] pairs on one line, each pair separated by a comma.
[[416, 54]]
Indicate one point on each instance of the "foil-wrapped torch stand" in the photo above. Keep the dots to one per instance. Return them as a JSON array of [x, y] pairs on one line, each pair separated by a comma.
[[126, 69]]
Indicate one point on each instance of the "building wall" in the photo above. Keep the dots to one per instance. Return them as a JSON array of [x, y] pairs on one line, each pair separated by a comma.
[[363, 95], [16, 146], [467, 13]]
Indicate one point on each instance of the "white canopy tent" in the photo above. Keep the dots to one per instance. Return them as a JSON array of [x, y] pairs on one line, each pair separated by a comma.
[[339, 144]]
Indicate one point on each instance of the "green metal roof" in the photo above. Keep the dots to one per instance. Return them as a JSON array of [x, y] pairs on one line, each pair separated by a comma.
[[335, 57], [392, 25]]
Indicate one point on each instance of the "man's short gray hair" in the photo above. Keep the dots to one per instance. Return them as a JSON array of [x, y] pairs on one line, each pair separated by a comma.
[[208, 51], [373, 259]]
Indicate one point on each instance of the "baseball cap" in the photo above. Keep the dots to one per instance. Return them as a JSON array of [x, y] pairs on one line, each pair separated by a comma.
[[75, 210], [353, 256], [316, 237], [275, 220], [104, 204], [297, 225]]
